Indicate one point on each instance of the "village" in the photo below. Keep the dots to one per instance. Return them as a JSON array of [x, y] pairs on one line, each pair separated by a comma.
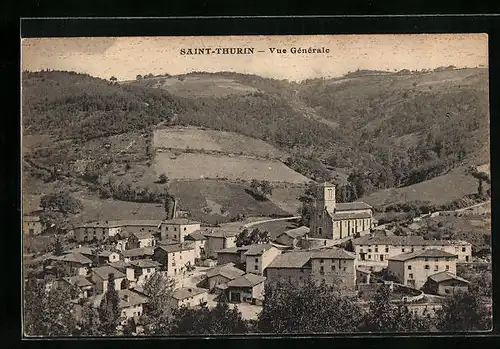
[[344, 247]]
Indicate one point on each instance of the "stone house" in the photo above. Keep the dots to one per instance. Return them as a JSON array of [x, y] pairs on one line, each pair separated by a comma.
[[414, 268], [140, 240], [138, 253], [218, 239], [246, 288], [445, 283], [101, 275], [140, 270], [292, 237], [177, 229], [32, 225], [73, 263], [175, 259], [188, 297], [219, 276], [199, 241], [259, 256]]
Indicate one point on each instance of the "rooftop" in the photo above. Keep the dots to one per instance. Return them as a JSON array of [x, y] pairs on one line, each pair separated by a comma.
[[258, 249], [120, 223], [430, 253], [88, 251], [229, 271], [78, 280], [246, 280], [105, 270], [196, 236], [297, 232], [145, 263], [119, 265], [143, 235], [445, 276], [348, 206], [351, 215], [291, 260], [137, 252], [219, 233], [186, 292], [183, 221], [176, 248], [413, 240], [73, 257], [333, 253], [235, 250], [128, 298]]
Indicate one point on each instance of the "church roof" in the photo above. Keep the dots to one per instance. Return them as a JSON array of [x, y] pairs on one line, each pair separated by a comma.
[[349, 206], [339, 216]]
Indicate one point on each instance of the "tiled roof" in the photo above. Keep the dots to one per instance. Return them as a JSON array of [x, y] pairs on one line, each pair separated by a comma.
[[176, 248], [235, 250], [119, 265], [87, 251], [445, 276], [167, 242], [413, 240], [219, 233], [143, 235], [186, 292], [258, 249], [333, 253], [297, 232], [136, 252], [196, 236], [73, 257], [430, 253], [183, 221], [348, 206], [388, 240], [78, 280], [144, 263], [338, 216], [247, 280], [228, 270], [120, 223], [129, 298], [105, 270], [291, 260]]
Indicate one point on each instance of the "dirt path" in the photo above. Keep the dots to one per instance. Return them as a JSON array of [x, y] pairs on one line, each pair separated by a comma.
[[248, 225]]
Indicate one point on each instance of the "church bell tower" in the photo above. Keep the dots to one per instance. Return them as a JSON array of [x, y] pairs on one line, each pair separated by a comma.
[[325, 198]]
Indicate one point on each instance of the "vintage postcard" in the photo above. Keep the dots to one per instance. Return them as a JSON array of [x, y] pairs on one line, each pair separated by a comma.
[[256, 185]]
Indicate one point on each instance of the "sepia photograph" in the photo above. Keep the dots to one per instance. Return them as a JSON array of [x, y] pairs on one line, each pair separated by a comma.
[[255, 185]]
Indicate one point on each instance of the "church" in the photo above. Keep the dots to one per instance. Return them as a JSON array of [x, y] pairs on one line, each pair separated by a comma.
[[332, 220]]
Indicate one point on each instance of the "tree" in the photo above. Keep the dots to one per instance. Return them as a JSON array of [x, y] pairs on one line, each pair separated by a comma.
[[113, 79], [385, 316], [309, 308], [58, 248], [168, 204], [158, 312], [61, 202], [480, 189], [261, 189], [89, 323], [109, 311], [47, 313], [245, 238], [163, 179], [138, 77], [219, 320], [464, 312]]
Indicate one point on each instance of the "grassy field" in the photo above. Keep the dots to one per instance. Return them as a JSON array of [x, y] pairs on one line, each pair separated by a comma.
[[212, 140], [178, 165], [439, 190], [199, 86], [217, 201]]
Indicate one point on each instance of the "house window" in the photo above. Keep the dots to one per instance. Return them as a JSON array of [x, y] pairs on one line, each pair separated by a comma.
[[463, 249], [166, 228], [427, 259], [456, 248], [436, 268], [333, 267], [376, 249], [184, 228], [410, 276], [175, 229], [387, 250], [256, 267], [402, 249], [409, 267], [180, 257], [369, 256], [256, 260], [369, 250], [321, 261], [321, 270], [344, 268], [427, 266], [447, 267]]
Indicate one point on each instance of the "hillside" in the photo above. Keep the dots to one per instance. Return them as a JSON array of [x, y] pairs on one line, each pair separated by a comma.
[[368, 131], [438, 191]]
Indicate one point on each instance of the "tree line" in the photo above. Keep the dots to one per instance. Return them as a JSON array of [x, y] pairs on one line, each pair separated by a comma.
[[287, 309]]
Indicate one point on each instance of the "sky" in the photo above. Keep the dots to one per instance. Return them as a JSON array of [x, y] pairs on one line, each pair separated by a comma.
[[126, 57]]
